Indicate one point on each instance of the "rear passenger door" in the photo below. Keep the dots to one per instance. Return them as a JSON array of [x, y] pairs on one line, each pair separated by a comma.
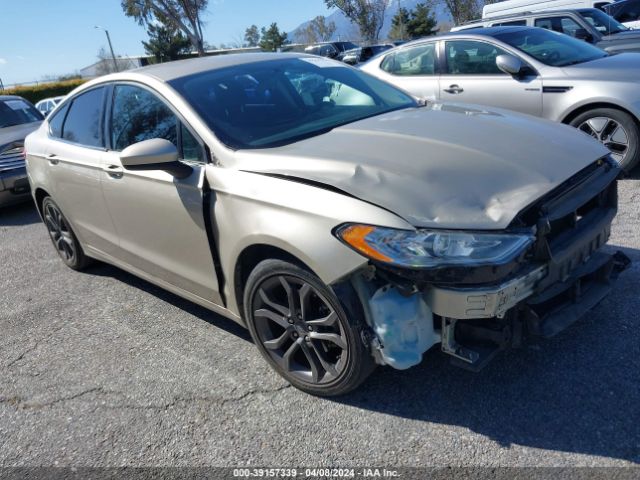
[[158, 217], [415, 69], [75, 152], [472, 76]]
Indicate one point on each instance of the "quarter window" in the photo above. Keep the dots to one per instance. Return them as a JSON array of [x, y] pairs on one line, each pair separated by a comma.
[[55, 123], [83, 121], [191, 149], [472, 58], [420, 60]]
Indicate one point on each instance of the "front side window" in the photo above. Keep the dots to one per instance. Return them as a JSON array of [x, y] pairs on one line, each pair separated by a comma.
[[564, 25], [83, 122], [420, 60], [16, 112], [550, 48], [467, 57], [602, 22], [137, 115], [277, 102]]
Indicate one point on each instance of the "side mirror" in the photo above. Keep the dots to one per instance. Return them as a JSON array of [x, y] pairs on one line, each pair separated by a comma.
[[582, 34], [509, 64], [154, 154]]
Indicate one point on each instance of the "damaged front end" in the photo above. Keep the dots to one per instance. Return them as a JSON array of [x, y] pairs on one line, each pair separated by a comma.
[[474, 312]]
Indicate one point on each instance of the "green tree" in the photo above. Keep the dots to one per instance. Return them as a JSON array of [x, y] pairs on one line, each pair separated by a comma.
[[183, 15], [166, 42], [462, 11], [368, 15], [317, 30], [422, 23], [272, 39], [252, 36], [399, 24]]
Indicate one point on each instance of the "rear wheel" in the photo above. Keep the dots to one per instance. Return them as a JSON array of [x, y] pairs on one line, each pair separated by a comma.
[[62, 236], [303, 331], [616, 130]]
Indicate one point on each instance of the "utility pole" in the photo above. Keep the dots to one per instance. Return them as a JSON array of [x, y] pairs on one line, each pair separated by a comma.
[[401, 20], [113, 56]]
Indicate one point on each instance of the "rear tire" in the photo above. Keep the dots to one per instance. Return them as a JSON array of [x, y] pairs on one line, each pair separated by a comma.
[[303, 331], [617, 130], [62, 236]]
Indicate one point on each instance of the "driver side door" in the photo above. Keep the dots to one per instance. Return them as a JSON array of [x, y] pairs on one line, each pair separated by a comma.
[[159, 218], [472, 76]]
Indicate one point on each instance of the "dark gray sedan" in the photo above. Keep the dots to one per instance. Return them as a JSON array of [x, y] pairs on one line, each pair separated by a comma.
[[18, 118]]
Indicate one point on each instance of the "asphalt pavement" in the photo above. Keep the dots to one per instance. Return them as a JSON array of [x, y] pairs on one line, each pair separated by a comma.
[[103, 369]]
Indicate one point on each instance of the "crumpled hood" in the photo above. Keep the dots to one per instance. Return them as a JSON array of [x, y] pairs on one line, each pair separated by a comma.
[[17, 133], [443, 166], [616, 68]]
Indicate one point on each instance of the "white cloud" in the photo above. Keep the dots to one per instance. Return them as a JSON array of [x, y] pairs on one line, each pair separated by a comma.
[[3, 61]]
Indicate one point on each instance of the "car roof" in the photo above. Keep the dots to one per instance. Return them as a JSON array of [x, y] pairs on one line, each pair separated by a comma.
[[10, 97], [475, 31], [182, 68]]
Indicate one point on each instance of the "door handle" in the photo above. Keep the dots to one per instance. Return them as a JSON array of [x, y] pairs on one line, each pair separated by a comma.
[[114, 171], [52, 159], [454, 89]]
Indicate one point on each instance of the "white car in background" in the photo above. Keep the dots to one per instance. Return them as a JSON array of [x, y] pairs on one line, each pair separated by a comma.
[[48, 104]]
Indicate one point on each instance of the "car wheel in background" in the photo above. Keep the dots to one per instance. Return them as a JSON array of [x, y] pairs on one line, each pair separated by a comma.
[[304, 331], [617, 130], [62, 236]]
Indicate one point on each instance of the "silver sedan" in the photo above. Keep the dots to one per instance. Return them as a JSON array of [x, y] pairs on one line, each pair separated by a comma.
[[530, 70]]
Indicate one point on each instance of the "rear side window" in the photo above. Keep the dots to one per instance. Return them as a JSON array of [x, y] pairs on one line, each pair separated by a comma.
[[513, 23], [138, 115], [420, 60], [83, 123]]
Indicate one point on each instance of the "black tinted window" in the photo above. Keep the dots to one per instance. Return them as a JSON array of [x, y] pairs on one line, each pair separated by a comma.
[[83, 124], [56, 121], [16, 111], [139, 115]]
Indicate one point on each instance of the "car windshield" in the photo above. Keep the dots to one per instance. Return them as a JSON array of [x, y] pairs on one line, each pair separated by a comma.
[[277, 102], [16, 112], [551, 48], [602, 22]]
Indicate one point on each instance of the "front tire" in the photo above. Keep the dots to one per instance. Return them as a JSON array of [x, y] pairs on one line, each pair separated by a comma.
[[62, 236], [303, 331], [617, 130]]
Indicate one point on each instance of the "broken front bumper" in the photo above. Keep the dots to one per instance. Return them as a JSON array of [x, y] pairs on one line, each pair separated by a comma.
[[566, 273]]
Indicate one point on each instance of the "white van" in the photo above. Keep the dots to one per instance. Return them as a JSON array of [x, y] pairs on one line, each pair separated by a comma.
[[520, 6]]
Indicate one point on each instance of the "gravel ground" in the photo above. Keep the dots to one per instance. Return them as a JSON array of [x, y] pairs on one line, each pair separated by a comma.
[[103, 369]]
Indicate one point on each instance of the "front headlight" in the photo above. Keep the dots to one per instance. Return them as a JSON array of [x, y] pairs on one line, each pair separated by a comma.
[[433, 248]]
